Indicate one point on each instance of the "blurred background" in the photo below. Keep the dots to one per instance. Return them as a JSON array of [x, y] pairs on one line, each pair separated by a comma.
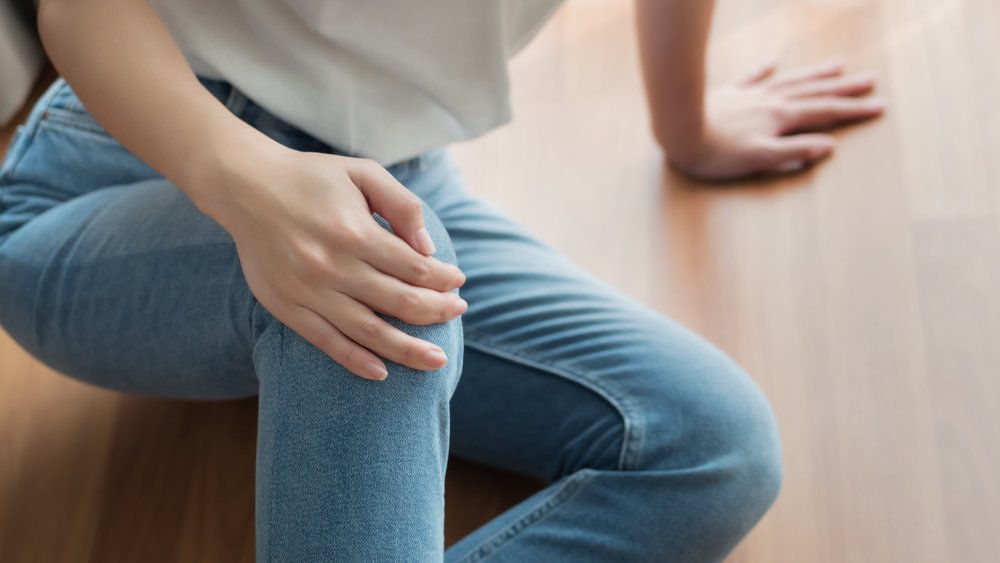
[[863, 295]]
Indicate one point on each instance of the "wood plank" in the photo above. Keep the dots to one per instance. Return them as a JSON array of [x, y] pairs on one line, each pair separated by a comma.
[[861, 294]]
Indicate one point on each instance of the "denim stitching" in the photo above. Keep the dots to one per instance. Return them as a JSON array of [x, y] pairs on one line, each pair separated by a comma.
[[272, 494], [566, 491], [60, 120], [31, 129], [630, 439]]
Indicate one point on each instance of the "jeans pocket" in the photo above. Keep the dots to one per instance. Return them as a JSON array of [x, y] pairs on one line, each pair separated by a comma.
[[64, 152], [75, 121], [66, 110]]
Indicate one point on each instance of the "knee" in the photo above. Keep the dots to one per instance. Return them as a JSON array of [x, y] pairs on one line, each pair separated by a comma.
[[712, 421], [442, 334], [444, 250], [447, 335], [749, 450]]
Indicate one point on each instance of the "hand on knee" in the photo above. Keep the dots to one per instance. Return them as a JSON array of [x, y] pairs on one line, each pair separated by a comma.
[[368, 297]]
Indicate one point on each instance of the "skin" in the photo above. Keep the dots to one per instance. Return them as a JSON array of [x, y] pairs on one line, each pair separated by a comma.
[[763, 122], [309, 215]]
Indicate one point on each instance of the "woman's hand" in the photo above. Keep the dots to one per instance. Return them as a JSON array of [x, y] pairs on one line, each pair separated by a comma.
[[310, 250], [314, 256], [764, 122]]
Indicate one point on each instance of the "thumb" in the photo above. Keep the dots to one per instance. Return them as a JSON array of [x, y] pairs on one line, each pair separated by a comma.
[[390, 199], [796, 151]]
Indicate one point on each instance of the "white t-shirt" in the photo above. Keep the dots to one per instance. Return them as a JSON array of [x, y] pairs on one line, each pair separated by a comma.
[[385, 79]]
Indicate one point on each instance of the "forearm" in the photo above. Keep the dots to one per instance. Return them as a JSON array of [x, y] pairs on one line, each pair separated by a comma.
[[129, 72], [673, 38]]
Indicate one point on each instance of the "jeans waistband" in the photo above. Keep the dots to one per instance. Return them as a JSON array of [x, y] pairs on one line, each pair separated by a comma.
[[246, 109], [226, 93]]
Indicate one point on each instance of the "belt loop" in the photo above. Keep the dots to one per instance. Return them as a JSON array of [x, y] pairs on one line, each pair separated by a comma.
[[236, 101]]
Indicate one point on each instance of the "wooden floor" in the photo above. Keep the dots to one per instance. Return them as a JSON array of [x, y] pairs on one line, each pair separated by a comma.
[[864, 296]]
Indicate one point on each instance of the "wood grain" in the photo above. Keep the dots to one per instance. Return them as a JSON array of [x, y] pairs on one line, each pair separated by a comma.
[[863, 295]]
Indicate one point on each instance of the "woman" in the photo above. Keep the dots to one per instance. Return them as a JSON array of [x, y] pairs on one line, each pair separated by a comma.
[[226, 199]]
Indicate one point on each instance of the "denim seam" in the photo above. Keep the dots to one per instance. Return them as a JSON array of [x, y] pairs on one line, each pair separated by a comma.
[[67, 127], [272, 493], [31, 130], [566, 491], [35, 118], [628, 456], [56, 117]]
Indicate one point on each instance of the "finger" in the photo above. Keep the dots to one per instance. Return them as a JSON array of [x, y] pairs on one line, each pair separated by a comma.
[[392, 256], [392, 200], [790, 154], [323, 335], [828, 69], [854, 85], [364, 327], [825, 112], [758, 74], [408, 303]]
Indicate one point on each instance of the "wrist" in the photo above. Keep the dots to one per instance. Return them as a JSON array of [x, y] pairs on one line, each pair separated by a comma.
[[233, 157], [685, 146], [680, 125]]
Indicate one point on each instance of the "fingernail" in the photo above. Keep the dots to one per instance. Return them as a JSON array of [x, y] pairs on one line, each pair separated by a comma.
[[435, 357], [376, 371], [459, 306], [459, 281], [424, 241]]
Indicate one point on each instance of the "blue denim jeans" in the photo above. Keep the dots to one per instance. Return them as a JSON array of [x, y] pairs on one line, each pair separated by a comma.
[[654, 445]]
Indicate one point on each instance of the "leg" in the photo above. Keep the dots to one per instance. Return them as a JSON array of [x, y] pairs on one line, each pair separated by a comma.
[[132, 288], [350, 469], [656, 445]]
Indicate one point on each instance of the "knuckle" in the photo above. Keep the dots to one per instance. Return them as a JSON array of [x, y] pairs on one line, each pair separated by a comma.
[[413, 351], [370, 328], [847, 107], [412, 205], [350, 234], [420, 269], [444, 312], [408, 302], [829, 113], [312, 263], [370, 168], [800, 92], [324, 338], [350, 357], [286, 295], [769, 155], [781, 111]]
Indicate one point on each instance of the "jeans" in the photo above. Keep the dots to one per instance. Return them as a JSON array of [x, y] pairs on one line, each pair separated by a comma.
[[653, 444]]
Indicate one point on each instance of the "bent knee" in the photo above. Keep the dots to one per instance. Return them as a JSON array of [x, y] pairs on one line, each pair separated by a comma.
[[446, 335], [444, 250], [708, 417]]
